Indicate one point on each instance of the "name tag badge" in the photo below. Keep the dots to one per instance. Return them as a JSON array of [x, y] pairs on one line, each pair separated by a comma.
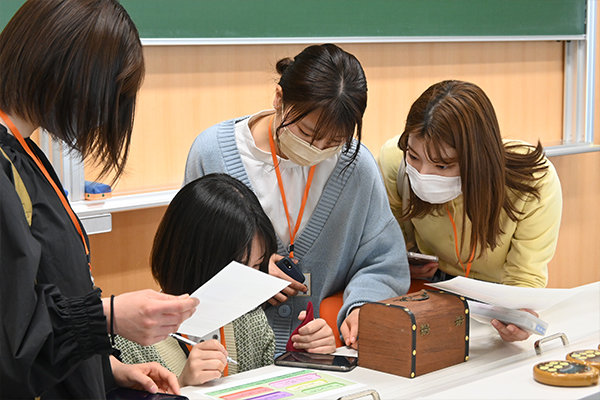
[[307, 283]]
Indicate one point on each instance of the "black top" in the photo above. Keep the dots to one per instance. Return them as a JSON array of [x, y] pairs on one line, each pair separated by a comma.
[[53, 340]]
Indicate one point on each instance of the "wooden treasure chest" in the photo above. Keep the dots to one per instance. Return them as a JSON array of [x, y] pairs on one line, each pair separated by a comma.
[[414, 334]]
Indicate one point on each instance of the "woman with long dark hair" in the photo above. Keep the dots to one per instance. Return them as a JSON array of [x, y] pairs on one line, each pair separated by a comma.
[[211, 222], [319, 186]]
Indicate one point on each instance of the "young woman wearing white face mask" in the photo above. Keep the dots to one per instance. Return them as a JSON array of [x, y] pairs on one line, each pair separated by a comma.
[[488, 208], [320, 188]]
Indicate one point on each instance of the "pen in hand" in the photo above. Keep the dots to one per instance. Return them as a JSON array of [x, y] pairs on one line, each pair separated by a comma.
[[192, 343]]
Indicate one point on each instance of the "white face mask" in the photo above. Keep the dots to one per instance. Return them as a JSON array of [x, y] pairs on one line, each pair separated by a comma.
[[301, 152], [434, 189]]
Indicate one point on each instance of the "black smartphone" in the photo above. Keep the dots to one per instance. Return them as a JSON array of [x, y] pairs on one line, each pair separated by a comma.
[[420, 259], [328, 362], [132, 394], [291, 269]]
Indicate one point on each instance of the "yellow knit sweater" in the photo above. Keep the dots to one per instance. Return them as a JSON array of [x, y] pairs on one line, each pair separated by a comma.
[[525, 247]]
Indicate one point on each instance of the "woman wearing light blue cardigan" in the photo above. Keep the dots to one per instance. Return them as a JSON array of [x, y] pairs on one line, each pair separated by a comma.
[[347, 239]]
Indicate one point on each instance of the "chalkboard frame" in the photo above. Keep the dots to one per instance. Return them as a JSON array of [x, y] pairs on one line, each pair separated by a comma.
[[308, 21]]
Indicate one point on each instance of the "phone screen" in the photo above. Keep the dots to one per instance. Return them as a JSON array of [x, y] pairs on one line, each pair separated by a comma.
[[417, 259], [317, 361]]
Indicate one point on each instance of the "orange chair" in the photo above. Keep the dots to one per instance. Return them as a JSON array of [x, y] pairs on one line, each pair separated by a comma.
[[417, 284], [328, 310], [330, 307]]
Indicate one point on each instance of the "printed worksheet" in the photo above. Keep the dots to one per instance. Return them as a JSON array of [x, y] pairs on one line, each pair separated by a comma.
[[302, 384]]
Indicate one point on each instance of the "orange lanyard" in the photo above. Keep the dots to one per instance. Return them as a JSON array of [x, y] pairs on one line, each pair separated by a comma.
[[470, 261], [311, 172], [59, 193], [224, 343]]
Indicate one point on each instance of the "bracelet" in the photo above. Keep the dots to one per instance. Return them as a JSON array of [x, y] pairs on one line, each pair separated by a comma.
[[112, 325]]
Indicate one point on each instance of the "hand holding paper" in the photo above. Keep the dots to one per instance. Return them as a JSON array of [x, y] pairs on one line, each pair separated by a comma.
[[234, 291], [504, 301], [523, 319]]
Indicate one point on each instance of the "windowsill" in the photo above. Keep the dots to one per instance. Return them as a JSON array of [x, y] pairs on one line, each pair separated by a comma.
[[85, 208]]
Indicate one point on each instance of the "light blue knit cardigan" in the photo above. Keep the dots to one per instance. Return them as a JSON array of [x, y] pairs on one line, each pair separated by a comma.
[[352, 241]]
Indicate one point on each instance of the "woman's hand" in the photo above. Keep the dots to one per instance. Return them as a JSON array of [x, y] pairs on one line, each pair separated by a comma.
[[151, 377], [289, 291], [510, 332], [206, 362], [147, 316], [349, 329], [314, 337], [425, 271]]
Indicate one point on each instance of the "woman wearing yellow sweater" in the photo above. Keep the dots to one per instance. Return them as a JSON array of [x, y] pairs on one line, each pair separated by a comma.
[[488, 208]]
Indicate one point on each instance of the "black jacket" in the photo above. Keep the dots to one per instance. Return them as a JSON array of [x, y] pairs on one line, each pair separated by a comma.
[[53, 340]]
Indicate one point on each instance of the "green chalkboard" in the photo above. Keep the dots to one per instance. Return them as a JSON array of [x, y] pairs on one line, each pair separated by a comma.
[[189, 19]]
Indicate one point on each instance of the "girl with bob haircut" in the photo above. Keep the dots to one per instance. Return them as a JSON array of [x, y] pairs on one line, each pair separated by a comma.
[[319, 186], [451, 175], [211, 222], [72, 67]]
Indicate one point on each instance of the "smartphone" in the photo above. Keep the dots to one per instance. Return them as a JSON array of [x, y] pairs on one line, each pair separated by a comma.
[[420, 259], [328, 362], [291, 269], [132, 394]]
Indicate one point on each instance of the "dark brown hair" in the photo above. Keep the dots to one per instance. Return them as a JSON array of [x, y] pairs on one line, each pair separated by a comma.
[[74, 68], [210, 222], [330, 80], [460, 115]]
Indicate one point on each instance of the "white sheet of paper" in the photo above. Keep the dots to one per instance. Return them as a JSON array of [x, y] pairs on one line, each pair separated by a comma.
[[234, 291], [537, 299]]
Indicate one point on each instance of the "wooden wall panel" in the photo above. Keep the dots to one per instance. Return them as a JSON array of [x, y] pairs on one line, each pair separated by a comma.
[[577, 258], [189, 88], [597, 82], [121, 258]]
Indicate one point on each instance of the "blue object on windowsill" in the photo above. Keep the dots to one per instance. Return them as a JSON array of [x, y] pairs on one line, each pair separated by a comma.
[[97, 190]]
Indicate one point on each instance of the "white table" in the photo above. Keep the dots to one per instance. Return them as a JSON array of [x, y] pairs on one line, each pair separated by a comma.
[[495, 370]]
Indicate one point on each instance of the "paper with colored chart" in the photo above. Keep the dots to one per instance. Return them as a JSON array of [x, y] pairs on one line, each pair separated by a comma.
[[300, 384], [234, 291]]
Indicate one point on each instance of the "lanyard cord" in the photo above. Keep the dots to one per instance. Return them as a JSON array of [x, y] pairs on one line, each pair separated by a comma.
[[470, 261], [59, 193], [224, 343], [311, 172]]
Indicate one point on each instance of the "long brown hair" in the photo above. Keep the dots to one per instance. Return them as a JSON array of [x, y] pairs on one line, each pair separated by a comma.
[[326, 78], [74, 68], [460, 115]]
